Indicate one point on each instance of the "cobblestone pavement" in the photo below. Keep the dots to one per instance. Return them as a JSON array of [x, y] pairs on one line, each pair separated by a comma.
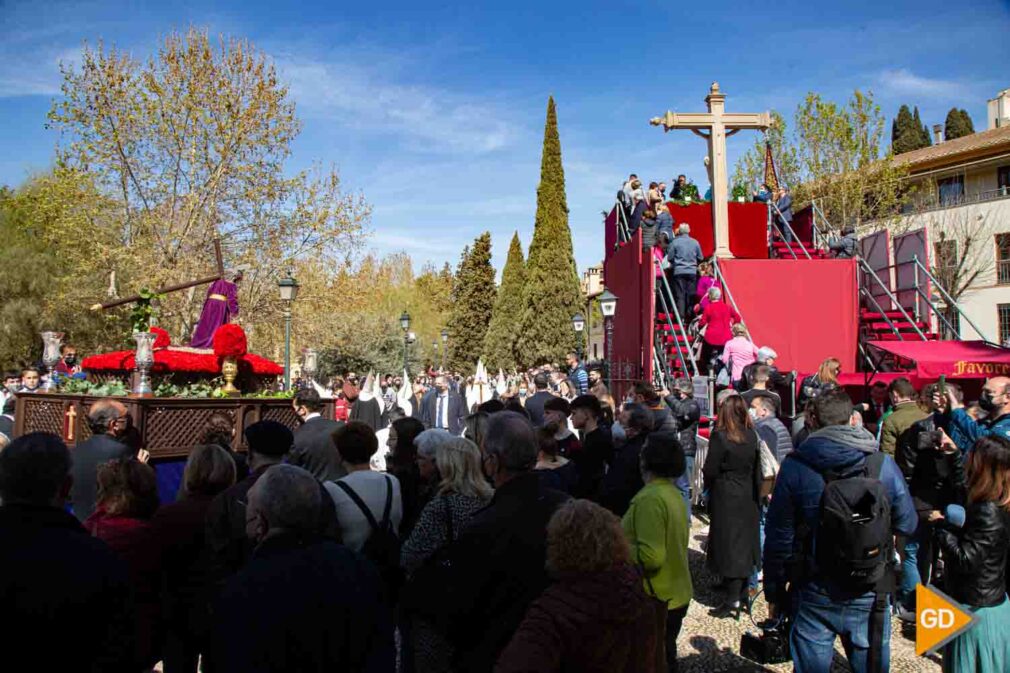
[[708, 644]]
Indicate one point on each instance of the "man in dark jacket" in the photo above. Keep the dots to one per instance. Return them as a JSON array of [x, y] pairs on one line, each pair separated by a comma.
[[597, 449], [823, 610], [687, 413], [444, 409], [684, 255], [301, 603], [846, 246], [499, 557], [107, 420], [313, 446], [535, 404], [769, 428], [66, 595], [624, 478]]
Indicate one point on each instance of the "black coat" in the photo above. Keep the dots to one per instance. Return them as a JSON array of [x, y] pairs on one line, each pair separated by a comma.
[[303, 606], [535, 407], [499, 570], [686, 413], [66, 596], [935, 479], [457, 412], [591, 462], [624, 478], [88, 456], [733, 477], [976, 555], [314, 449]]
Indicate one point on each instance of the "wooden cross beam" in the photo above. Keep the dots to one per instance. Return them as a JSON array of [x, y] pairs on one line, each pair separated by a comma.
[[719, 125], [219, 263]]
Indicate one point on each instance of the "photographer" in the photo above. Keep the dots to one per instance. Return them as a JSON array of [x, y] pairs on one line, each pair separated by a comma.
[[824, 604], [995, 401], [935, 476]]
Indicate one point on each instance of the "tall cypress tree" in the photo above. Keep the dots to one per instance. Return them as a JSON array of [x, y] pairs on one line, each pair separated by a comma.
[[907, 131], [473, 297], [924, 138], [957, 125], [502, 337], [551, 295]]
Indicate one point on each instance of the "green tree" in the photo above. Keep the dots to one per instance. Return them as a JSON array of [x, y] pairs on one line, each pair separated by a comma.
[[908, 132], [551, 295], [925, 140], [473, 297], [750, 168], [957, 125], [502, 339]]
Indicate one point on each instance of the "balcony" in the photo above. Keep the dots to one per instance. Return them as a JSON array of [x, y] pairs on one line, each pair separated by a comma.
[[937, 202]]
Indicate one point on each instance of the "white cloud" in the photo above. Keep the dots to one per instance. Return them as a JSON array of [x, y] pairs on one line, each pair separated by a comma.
[[425, 118], [904, 81], [34, 71]]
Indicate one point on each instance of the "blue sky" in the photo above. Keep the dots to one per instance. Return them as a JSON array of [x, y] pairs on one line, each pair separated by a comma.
[[435, 111]]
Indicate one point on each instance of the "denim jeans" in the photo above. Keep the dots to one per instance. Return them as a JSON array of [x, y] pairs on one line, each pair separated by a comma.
[[819, 619], [753, 583], [915, 565], [684, 486]]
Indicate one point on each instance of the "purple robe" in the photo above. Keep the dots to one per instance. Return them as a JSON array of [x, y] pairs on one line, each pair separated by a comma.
[[220, 306]]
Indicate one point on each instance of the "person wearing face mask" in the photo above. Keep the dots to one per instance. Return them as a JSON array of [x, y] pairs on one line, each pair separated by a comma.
[[300, 603], [769, 427], [12, 382], [68, 364], [108, 421], [994, 401], [313, 446]]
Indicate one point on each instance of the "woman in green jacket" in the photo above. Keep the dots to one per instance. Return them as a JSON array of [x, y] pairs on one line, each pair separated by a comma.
[[657, 528]]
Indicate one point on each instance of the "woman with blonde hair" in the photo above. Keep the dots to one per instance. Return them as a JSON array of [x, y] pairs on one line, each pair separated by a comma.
[[825, 379], [738, 352], [461, 492]]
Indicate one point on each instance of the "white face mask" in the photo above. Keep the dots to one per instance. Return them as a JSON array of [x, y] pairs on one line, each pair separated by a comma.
[[753, 414]]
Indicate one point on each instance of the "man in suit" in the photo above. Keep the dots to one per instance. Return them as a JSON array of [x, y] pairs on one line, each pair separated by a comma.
[[444, 410], [535, 404], [313, 446], [108, 421]]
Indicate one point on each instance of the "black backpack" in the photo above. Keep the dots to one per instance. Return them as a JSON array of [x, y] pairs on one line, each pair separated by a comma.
[[854, 543], [382, 546]]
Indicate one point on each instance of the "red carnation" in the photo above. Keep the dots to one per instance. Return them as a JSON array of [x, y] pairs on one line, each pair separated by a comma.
[[230, 341], [162, 340]]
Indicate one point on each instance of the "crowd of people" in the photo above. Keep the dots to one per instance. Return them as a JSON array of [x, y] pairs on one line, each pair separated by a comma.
[[543, 529]]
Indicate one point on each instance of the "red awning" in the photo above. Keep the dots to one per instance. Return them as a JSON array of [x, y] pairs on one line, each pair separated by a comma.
[[955, 359]]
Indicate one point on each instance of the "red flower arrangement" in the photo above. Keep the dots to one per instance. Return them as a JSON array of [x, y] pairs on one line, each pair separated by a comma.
[[170, 360], [230, 341], [163, 340]]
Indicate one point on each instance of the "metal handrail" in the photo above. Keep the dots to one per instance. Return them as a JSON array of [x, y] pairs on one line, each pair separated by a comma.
[[816, 209], [894, 300], [946, 295], [868, 295], [666, 295], [717, 272], [792, 252], [623, 234], [791, 231]]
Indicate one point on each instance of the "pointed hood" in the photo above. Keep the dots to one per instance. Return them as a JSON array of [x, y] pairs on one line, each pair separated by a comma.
[[366, 388], [501, 386], [404, 394]]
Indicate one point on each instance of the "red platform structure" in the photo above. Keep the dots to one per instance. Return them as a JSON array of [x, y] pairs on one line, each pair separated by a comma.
[[877, 314]]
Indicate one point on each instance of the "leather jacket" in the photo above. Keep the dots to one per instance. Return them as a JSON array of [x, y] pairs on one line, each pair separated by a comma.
[[977, 555]]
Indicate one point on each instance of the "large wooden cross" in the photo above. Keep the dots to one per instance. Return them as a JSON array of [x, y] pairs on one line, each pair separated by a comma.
[[219, 261], [720, 125]]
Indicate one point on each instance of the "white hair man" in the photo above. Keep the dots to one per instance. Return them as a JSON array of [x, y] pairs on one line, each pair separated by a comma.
[[684, 254]]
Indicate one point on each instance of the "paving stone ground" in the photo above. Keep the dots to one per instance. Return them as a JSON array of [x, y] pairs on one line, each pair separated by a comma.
[[708, 644]]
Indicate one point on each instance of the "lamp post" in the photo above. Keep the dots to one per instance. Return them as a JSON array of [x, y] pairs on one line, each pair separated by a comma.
[[405, 324], [434, 352], [288, 287], [608, 307], [579, 323], [445, 346]]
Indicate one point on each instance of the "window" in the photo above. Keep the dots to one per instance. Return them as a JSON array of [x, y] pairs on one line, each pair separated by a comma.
[[953, 316], [951, 190], [1003, 318], [1003, 177], [1003, 259]]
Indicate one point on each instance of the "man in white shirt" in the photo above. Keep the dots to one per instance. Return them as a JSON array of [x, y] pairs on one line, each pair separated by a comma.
[[444, 409]]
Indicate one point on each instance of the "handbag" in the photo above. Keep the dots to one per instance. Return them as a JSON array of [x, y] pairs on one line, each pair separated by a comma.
[[723, 380], [424, 594], [769, 468]]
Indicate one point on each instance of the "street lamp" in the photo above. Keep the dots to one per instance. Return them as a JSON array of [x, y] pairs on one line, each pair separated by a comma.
[[434, 351], [445, 346], [288, 287], [579, 323], [608, 307], [405, 324]]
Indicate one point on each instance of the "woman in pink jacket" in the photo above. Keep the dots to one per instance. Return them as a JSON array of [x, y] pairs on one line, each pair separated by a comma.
[[717, 320], [739, 351]]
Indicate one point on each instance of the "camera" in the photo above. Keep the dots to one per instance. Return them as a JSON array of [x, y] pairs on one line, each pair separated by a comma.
[[771, 646], [930, 439]]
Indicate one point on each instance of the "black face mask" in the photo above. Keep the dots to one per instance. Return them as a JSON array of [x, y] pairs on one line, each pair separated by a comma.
[[70, 360], [985, 401]]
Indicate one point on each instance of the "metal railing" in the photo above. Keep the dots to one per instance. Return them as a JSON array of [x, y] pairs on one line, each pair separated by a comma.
[[790, 231], [951, 303], [939, 202], [1003, 272], [893, 299], [817, 235], [623, 233], [670, 308]]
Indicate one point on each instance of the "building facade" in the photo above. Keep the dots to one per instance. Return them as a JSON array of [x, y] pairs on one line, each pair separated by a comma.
[[592, 287], [961, 197]]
